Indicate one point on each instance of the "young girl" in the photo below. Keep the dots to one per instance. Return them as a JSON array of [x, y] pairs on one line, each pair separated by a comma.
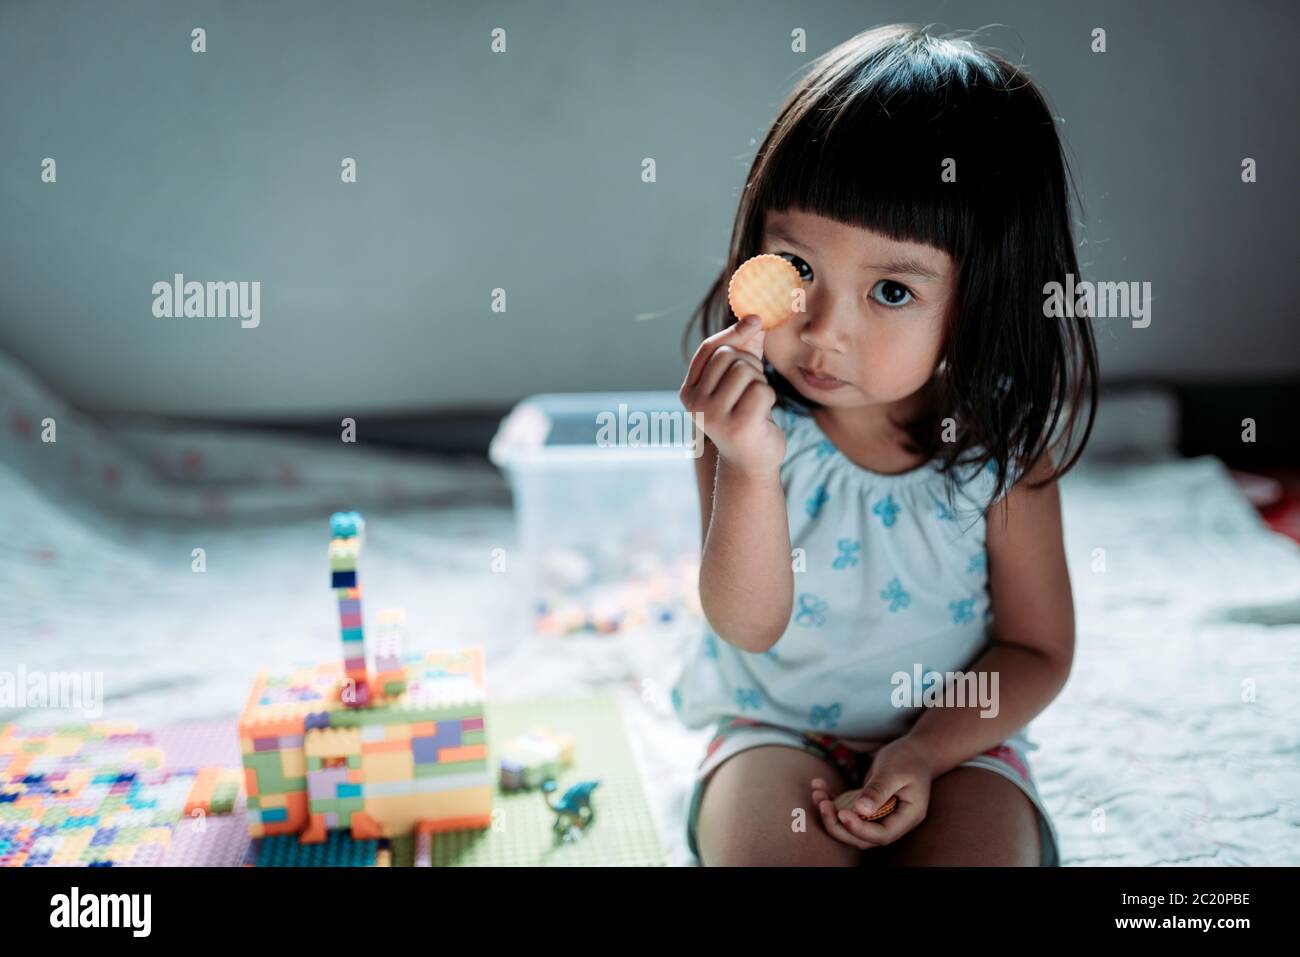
[[878, 485]]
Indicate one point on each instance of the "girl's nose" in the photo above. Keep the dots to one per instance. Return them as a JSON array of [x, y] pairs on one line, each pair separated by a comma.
[[822, 331]]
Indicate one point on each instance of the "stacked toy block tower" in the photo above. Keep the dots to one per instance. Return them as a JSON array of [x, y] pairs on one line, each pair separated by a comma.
[[349, 530], [407, 755]]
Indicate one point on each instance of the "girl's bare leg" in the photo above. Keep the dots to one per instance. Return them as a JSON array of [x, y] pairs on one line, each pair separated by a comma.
[[750, 816], [976, 818]]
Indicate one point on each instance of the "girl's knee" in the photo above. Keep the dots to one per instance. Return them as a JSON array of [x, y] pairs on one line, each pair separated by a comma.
[[757, 811]]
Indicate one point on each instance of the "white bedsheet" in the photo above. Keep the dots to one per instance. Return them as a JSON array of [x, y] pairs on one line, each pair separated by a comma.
[[1149, 756]]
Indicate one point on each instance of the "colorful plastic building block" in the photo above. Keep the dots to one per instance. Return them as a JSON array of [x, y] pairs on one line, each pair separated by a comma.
[[534, 757], [215, 791], [390, 678]]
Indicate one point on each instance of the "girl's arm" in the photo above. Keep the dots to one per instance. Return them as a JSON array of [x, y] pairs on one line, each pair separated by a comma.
[[1033, 626], [746, 582]]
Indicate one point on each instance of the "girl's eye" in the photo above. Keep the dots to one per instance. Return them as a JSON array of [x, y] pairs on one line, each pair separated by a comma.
[[890, 293], [800, 265]]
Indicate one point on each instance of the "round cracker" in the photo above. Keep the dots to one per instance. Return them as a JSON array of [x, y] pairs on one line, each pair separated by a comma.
[[764, 286], [845, 803]]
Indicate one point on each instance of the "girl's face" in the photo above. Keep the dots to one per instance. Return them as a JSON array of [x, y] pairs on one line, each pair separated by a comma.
[[875, 317]]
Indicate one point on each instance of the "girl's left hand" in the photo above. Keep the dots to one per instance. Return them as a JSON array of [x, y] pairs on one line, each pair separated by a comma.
[[897, 768]]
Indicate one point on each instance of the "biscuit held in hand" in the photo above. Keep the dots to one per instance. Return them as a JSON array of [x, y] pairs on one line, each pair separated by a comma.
[[764, 286], [845, 803]]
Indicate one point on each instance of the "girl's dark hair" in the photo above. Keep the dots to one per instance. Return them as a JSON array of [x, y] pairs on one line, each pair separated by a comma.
[[863, 139]]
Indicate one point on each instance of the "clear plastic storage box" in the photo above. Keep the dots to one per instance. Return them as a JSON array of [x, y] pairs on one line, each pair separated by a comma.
[[606, 509]]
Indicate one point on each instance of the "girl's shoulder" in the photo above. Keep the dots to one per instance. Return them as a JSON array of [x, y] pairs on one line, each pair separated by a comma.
[[810, 452]]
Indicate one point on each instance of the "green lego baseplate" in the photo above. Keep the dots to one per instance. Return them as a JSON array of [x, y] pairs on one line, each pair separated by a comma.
[[623, 832], [622, 835]]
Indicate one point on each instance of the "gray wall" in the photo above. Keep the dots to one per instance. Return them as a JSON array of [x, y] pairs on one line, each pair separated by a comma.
[[523, 171]]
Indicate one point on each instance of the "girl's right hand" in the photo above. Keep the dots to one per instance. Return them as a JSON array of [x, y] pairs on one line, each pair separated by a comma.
[[725, 385]]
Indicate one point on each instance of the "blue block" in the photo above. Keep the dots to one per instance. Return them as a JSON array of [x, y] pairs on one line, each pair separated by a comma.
[[271, 815], [346, 524], [447, 734], [348, 790], [425, 747], [424, 750], [343, 579]]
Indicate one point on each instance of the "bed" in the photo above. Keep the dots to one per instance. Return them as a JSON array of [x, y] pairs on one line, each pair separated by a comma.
[[1176, 740]]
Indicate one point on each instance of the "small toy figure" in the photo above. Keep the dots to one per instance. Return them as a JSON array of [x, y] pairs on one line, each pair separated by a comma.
[[534, 757], [573, 812]]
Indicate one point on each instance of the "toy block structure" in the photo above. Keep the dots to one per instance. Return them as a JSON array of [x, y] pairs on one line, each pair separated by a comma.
[[408, 755]]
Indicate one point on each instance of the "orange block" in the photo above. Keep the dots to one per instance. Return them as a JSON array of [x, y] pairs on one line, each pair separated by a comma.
[[315, 831], [394, 744], [365, 827], [466, 752], [200, 795], [19, 764], [285, 727]]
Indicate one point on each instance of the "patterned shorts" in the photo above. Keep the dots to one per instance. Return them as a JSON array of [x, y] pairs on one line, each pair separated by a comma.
[[734, 735]]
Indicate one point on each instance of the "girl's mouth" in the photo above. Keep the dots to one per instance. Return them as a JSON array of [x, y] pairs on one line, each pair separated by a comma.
[[820, 382]]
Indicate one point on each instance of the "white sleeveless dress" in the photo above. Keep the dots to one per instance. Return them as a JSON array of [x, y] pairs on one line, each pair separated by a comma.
[[891, 579]]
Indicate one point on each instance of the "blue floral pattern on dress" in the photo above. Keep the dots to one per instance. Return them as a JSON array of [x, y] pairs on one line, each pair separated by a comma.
[[887, 509], [812, 611], [825, 717], [963, 610], [848, 556], [815, 502], [748, 699], [894, 594]]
